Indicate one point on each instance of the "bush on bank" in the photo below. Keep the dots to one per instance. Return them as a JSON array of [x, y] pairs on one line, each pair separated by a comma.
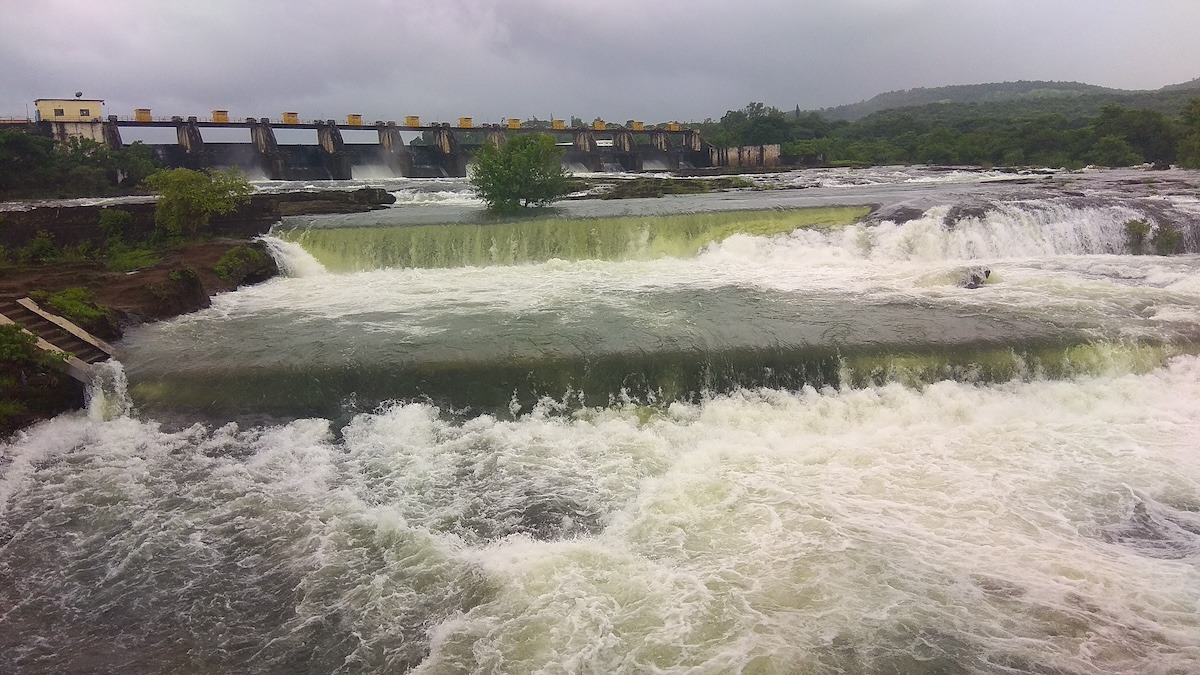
[[188, 199]]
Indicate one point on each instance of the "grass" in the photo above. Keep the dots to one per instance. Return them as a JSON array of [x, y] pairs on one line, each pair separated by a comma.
[[75, 303], [127, 260], [10, 410]]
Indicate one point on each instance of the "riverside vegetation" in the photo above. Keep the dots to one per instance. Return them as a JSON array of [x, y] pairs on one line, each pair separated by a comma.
[[34, 166], [971, 133]]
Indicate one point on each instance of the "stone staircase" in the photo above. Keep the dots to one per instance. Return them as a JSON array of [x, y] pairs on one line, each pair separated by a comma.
[[55, 333]]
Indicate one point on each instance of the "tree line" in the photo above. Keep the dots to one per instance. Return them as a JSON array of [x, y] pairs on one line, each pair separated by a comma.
[[955, 133], [38, 166]]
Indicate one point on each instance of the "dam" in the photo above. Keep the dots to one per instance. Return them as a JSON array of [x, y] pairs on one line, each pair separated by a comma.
[[437, 149]]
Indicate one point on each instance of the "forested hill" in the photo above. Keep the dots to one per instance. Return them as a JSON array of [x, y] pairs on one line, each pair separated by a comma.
[[1023, 99]]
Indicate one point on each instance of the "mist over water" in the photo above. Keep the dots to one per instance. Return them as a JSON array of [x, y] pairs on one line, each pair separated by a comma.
[[717, 439]]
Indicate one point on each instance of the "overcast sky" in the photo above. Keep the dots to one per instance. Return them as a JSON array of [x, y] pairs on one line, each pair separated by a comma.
[[652, 60]]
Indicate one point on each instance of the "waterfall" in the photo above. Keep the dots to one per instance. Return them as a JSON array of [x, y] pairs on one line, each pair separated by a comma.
[[345, 249], [107, 394], [292, 259], [1023, 229]]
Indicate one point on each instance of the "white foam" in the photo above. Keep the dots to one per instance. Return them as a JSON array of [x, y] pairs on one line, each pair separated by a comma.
[[447, 197], [760, 528], [107, 393], [786, 525], [292, 259]]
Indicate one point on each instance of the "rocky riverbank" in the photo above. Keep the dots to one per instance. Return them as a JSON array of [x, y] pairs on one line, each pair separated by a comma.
[[177, 279]]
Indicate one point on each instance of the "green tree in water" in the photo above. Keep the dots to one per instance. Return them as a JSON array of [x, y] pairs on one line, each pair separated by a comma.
[[187, 199], [525, 171]]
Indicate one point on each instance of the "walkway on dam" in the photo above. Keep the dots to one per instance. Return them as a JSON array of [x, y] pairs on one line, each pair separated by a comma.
[[54, 333]]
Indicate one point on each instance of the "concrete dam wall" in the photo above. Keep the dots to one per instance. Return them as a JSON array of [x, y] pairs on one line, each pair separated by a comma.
[[437, 150]]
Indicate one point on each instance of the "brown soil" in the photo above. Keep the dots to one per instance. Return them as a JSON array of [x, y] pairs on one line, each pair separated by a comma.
[[182, 282], [149, 294]]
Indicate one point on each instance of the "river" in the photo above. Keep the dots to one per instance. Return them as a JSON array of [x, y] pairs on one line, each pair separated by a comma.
[[763, 431]]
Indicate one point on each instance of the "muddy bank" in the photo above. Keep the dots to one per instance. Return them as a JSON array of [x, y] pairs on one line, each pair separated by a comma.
[[183, 281]]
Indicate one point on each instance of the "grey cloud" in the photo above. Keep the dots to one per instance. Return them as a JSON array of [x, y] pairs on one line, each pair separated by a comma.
[[620, 59]]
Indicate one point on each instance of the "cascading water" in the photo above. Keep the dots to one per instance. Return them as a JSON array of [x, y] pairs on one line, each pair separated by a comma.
[[292, 259], [458, 245], [671, 308], [715, 439], [108, 392]]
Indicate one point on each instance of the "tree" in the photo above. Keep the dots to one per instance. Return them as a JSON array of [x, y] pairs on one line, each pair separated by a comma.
[[133, 163], [33, 165], [1148, 132], [525, 171], [1113, 150], [1188, 153], [187, 199], [27, 163]]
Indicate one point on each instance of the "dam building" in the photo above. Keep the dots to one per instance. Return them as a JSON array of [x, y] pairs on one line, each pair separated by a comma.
[[71, 117]]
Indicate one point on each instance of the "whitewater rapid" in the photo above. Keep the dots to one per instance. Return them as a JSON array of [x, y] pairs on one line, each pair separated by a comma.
[[1044, 526], [729, 442]]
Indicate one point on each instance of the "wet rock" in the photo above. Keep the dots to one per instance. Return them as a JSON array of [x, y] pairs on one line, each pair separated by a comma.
[[974, 277], [898, 215], [334, 201], [960, 211]]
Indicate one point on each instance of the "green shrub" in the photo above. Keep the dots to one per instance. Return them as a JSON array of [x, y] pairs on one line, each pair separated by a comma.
[[1166, 239], [181, 281], [16, 344], [40, 250], [1136, 235], [186, 273], [114, 224], [187, 199], [239, 262], [82, 251], [19, 347]]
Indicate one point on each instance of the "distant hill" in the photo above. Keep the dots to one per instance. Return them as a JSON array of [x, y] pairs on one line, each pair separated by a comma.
[[1190, 84], [1021, 98]]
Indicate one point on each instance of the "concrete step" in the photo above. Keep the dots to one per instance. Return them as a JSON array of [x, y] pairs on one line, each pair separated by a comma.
[[55, 331]]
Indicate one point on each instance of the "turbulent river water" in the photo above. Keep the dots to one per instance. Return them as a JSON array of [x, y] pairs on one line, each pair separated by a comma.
[[766, 431]]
